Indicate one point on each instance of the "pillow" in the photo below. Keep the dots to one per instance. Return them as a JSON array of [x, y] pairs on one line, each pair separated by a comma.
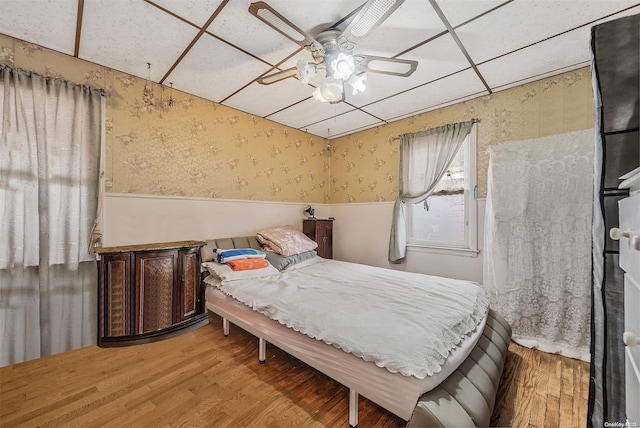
[[248, 264], [283, 262], [285, 240], [223, 256], [225, 273]]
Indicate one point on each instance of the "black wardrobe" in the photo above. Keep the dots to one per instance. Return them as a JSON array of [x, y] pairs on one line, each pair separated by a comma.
[[615, 47]]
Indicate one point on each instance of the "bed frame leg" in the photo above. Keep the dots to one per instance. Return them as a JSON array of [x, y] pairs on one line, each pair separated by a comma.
[[353, 408], [262, 350], [225, 326]]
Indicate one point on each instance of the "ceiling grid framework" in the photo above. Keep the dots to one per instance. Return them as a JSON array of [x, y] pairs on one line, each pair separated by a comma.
[[217, 50]]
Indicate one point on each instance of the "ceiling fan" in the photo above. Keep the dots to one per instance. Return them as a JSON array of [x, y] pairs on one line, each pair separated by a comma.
[[332, 50]]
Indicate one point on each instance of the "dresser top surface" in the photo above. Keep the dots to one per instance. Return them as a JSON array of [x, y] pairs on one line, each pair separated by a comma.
[[149, 247]]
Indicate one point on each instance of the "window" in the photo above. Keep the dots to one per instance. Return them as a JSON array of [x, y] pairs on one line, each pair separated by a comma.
[[448, 221]]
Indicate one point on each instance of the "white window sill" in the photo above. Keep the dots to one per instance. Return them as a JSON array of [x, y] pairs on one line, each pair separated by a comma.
[[449, 251]]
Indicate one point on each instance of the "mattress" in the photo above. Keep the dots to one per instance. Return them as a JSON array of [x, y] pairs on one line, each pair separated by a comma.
[[393, 391]]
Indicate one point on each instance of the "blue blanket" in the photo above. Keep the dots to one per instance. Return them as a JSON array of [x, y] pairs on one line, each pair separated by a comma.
[[223, 256]]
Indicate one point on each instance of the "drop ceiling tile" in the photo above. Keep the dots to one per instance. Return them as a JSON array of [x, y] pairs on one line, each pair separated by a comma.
[[262, 100], [129, 36], [237, 26], [315, 16], [343, 124], [521, 23], [436, 59], [560, 54], [412, 23], [554, 56], [197, 12], [441, 91], [50, 24], [214, 70], [460, 11], [308, 112], [441, 105]]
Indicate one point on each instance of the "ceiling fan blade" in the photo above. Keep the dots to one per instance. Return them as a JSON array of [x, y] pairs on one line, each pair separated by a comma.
[[370, 16], [272, 18], [276, 77], [383, 65]]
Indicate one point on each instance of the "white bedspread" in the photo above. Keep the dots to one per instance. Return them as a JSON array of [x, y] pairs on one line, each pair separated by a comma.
[[405, 322]]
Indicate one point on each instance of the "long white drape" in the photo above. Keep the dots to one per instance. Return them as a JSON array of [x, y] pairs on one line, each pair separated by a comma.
[[51, 132], [424, 158], [537, 263]]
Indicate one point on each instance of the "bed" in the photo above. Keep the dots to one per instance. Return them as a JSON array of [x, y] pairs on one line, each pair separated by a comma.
[[461, 393]]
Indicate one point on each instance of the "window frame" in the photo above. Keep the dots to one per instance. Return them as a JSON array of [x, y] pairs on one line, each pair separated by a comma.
[[470, 247]]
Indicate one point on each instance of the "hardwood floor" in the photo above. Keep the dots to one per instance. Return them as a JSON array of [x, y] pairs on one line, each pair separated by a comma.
[[205, 379]]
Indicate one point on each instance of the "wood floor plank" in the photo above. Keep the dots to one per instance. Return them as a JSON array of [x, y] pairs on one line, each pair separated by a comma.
[[552, 415], [203, 378]]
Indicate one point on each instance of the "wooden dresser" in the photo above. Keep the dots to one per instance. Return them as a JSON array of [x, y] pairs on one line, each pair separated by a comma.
[[149, 292], [320, 231]]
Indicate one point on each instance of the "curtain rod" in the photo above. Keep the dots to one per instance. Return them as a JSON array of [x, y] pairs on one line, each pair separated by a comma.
[[397, 137]]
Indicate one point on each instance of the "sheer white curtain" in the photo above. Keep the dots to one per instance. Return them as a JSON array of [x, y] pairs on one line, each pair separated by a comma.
[[51, 137], [424, 159], [537, 262]]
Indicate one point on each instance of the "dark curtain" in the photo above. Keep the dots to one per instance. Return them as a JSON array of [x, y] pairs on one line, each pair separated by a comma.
[[615, 48]]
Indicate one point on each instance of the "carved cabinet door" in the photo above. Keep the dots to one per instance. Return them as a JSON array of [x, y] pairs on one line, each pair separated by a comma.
[[157, 285], [190, 299]]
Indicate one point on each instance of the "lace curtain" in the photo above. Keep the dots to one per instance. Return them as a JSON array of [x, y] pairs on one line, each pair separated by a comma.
[[537, 263], [51, 134], [424, 159]]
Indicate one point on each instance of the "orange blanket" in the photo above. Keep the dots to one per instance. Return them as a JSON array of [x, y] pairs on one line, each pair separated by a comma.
[[247, 264]]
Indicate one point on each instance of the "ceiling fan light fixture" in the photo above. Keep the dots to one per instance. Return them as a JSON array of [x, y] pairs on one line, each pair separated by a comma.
[[356, 81], [329, 91], [305, 70], [343, 66]]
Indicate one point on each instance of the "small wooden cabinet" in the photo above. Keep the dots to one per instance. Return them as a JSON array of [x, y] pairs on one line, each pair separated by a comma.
[[320, 231], [149, 292]]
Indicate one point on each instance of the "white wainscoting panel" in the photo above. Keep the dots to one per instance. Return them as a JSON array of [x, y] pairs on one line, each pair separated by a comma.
[[361, 235], [141, 219], [360, 230]]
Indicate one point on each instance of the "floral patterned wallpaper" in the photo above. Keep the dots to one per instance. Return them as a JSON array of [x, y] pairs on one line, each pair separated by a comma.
[[365, 166], [166, 142], [161, 141]]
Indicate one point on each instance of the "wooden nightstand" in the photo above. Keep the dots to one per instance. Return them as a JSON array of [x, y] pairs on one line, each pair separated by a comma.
[[320, 231]]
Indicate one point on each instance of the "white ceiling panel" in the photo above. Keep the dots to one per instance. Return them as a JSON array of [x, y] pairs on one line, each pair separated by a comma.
[[558, 55], [412, 23], [41, 22], [570, 50], [316, 15], [436, 59], [194, 11], [521, 23], [511, 42], [460, 11], [307, 112], [343, 124], [236, 25], [262, 100], [442, 105], [452, 87], [144, 35], [214, 70]]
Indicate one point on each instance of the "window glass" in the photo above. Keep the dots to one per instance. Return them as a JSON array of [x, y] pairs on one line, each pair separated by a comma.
[[448, 220]]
